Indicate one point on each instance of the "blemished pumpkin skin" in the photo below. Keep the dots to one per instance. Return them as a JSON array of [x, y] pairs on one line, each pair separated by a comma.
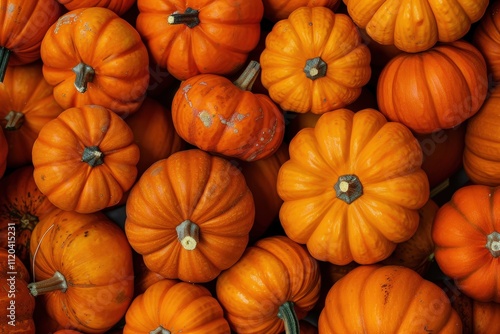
[[82, 270], [4, 151], [219, 116], [273, 286], [92, 56], [117, 6], [466, 234], [16, 302], [343, 175], [314, 61], [85, 159], [23, 25], [448, 85], [194, 37], [190, 215], [486, 38], [27, 105], [169, 306], [275, 10], [415, 26], [387, 299]]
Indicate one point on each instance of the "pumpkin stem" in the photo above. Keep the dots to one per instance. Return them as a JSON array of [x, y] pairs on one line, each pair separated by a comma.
[[188, 234], [315, 68], [4, 60], [348, 188], [84, 75], [56, 282], [189, 18], [160, 330], [287, 314], [14, 120], [493, 244], [93, 156], [246, 80]]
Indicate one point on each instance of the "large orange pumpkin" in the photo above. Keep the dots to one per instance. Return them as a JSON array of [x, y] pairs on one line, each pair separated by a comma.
[[486, 38]]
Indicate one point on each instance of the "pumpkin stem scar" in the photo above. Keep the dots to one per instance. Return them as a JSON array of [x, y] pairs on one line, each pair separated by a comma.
[[348, 188], [315, 68], [189, 18], [286, 312], [246, 80], [28, 221], [4, 60], [493, 243], [84, 75], [14, 120], [56, 282], [160, 330], [188, 234], [93, 156]]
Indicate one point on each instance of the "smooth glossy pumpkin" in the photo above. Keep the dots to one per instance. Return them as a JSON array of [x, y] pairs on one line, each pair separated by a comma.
[[275, 10], [190, 215], [82, 270], [466, 234], [92, 56], [117, 6], [387, 299], [343, 176], [415, 26], [436, 89], [27, 105], [4, 151], [219, 116], [194, 37], [273, 286], [85, 159], [169, 307], [486, 38], [315, 60]]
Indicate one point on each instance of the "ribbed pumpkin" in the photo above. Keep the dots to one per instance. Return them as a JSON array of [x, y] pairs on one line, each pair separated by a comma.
[[486, 38], [117, 6], [477, 317], [343, 175], [275, 10]]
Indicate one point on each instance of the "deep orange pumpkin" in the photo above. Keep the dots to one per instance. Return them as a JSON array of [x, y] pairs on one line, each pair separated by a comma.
[[117, 6], [275, 10], [486, 38], [477, 317]]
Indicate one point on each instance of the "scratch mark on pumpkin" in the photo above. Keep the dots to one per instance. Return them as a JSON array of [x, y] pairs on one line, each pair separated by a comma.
[[236, 117], [65, 19], [185, 90]]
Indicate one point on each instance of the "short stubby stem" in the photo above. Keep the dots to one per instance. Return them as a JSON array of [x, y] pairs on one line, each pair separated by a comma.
[[189, 18], [188, 234], [493, 243], [13, 120], [160, 330], [315, 68], [93, 156], [84, 75], [348, 188], [55, 283], [287, 314], [28, 221]]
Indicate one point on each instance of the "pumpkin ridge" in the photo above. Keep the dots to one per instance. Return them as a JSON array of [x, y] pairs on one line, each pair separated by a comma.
[[466, 220]]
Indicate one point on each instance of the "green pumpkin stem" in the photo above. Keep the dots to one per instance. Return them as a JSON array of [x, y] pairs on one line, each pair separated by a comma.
[[4, 60], [56, 282], [493, 243], [188, 234], [84, 75], [348, 188], [14, 120], [189, 18], [160, 330], [315, 68], [93, 156], [287, 314], [246, 80]]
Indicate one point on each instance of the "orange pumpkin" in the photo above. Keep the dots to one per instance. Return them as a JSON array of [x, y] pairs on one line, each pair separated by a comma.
[[435, 89], [486, 38], [190, 215], [343, 175], [4, 151], [194, 37], [28, 104], [169, 307], [85, 159], [82, 270], [219, 116], [387, 299], [275, 10], [143, 277], [467, 241], [415, 26], [117, 6], [92, 56], [477, 317], [273, 286], [314, 60]]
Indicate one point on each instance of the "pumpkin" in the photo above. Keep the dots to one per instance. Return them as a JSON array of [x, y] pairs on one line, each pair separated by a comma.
[[194, 37], [189, 216], [85, 159], [415, 26], [28, 104], [387, 299], [467, 238], [275, 10], [67, 331], [314, 61], [343, 175], [481, 155], [175, 307], [219, 116], [4, 151], [92, 56], [23, 25], [447, 85], [82, 270], [486, 38], [477, 317], [15, 300], [273, 286], [22, 206], [117, 6], [143, 277]]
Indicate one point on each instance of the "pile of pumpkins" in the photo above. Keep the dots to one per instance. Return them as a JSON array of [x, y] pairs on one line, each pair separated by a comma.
[[249, 166]]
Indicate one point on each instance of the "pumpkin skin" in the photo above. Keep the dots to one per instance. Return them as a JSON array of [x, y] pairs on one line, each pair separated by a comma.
[[117, 6], [28, 104], [275, 10], [85, 159], [99, 283], [477, 317], [92, 56], [415, 26], [342, 176], [466, 237], [448, 85], [175, 307], [256, 290], [486, 38], [221, 35], [314, 60], [387, 299], [219, 116], [205, 232], [4, 151]]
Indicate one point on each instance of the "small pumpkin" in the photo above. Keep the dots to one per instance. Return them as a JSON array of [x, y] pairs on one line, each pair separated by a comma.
[[477, 317], [275, 10], [85, 159], [117, 6], [486, 38]]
